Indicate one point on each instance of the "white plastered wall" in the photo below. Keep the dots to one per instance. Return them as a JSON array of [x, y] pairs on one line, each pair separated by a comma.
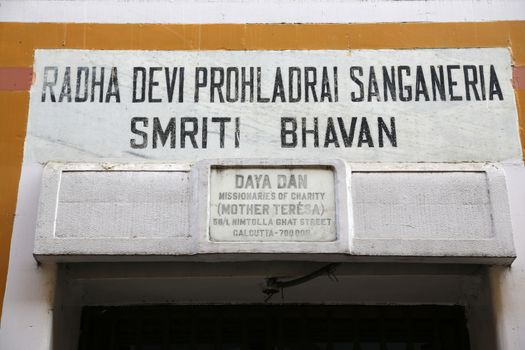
[[28, 303], [508, 283], [260, 11]]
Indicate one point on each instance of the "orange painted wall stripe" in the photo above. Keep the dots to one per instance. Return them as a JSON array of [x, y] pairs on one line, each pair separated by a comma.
[[14, 107], [19, 40]]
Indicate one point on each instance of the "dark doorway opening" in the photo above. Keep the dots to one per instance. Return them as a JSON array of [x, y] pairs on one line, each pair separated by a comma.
[[265, 327]]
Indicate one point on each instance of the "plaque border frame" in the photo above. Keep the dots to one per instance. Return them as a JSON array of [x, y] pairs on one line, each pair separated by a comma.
[[200, 215]]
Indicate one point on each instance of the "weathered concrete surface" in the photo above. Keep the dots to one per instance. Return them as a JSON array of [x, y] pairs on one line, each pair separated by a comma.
[[388, 213]]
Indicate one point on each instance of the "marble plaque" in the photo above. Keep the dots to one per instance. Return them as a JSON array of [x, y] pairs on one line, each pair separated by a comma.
[[431, 105], [272, 204]]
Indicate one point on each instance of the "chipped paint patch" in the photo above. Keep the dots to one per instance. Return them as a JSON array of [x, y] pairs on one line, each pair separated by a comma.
[[15, 78]]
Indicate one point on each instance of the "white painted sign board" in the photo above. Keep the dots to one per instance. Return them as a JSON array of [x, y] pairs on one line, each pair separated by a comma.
[[431, 105], [272, 204]]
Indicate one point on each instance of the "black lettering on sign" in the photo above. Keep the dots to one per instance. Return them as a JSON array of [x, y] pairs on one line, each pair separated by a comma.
[[373, 89], [314, 131], [237, 132], [278, 87], [81, 94], [255, 181], [216, 73], [326, 90], [438, 82], [364, 134], [152, 86], [201, 81], [310, 80], [482, 83], [188, 133], [401, 82], [471, 80], [421, 85], [452, 83], [49, 83], [65, 93], [345, 129], [204, 134], [292, 181], [80, 83], [494, 88], [221, 122], [153, 83], [133, 142], [139, 74], [390, 134], [260, 98], [336, 85], [97, 83], [162, 130], [389, 83], [159, 132], [330, 135], [404, 88], [294, 83], [353, 96], [232, 84], [247, 83], [348, 137], [113, 88], [288, 128], [171, 81]]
